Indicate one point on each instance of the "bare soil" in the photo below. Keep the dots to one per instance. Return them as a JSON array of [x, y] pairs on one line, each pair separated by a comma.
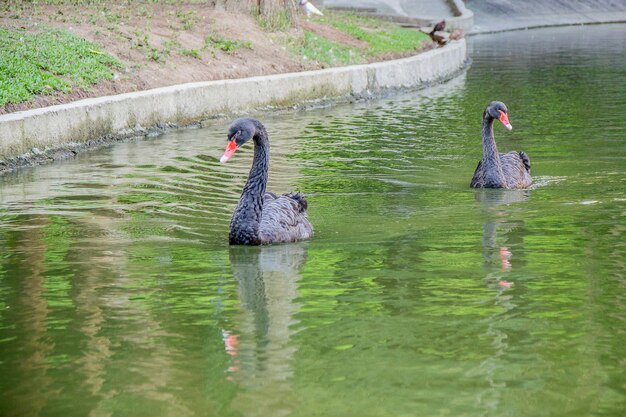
[[161, 44]]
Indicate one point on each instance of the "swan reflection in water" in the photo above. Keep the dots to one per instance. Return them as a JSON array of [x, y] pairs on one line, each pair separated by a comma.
[[498, 251], [260, 351], [502, 239]]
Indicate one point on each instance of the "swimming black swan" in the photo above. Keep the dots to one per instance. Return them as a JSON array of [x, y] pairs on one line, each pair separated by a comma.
[[261, 218], [497, 170]]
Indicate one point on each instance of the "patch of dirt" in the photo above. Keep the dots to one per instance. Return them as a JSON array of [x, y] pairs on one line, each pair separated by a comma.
[[161, 44]]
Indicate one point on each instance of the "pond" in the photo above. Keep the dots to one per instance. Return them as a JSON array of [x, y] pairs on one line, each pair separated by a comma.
[[418, 296]]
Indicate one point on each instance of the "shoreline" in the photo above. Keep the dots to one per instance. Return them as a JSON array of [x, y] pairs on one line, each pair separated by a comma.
[[44, 135], [544, 26]]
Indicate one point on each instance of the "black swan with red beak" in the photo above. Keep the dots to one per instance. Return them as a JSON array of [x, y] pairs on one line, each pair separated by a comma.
[[262, 217], [500, 170]]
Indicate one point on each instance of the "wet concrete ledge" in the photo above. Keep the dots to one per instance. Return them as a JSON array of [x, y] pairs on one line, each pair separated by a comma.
[[43, 135]]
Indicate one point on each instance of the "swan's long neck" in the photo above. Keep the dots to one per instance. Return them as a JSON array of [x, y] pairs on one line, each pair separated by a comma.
[[491, 158], [244, 226]]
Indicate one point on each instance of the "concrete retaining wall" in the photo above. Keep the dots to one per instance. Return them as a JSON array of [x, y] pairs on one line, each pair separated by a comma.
[[501, 15], [35, 134], [464, 18]]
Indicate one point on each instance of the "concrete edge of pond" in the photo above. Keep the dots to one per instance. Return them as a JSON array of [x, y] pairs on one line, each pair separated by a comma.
[[43, 135]]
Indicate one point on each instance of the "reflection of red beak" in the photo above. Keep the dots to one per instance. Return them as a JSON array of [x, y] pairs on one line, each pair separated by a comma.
[[230, 150], [505, 120]]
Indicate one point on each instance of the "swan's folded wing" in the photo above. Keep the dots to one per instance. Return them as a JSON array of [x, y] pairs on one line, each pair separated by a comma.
[[284, 219], [526, 160], [516, 169]]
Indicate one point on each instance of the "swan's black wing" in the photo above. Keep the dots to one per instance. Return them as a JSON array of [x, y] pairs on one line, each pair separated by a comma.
[[516, 169], [284, 219], [482, 179], [477, 180], [525, 160]]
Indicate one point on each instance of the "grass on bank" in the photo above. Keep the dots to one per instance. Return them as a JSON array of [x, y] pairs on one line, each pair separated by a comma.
[[49, 61], [381, 37], [54, 60], [331, 53]]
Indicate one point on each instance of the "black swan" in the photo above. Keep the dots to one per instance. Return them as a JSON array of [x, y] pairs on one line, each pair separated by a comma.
[[261, 217], [497, 170]]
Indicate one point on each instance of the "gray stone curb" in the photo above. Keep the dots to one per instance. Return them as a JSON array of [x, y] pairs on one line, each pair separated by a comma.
[[464, 17], [42, 135]]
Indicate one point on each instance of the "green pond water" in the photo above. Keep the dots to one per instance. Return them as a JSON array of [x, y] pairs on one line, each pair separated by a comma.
[[418, 296]]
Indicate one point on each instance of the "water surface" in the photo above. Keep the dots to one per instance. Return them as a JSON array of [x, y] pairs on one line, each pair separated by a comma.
[[418, 296]]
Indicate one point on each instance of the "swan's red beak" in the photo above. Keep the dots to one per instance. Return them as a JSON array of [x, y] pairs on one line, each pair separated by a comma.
[[230, 150], [504, 118]]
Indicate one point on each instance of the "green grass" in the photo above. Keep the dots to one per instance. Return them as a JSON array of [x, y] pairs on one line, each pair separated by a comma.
[[187, 18], [226, 45], [41, 63], [381, 38], [279, 22], [194, 53], [320, 49], [55, 60]]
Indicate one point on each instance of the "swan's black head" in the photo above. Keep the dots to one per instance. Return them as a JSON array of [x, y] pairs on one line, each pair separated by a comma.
[[498, 110], [239, 132]]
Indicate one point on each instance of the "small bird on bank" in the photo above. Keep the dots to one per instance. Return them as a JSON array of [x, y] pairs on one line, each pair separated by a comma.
[[439, 27], [440, 36], [437, 34], [309, 9]]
